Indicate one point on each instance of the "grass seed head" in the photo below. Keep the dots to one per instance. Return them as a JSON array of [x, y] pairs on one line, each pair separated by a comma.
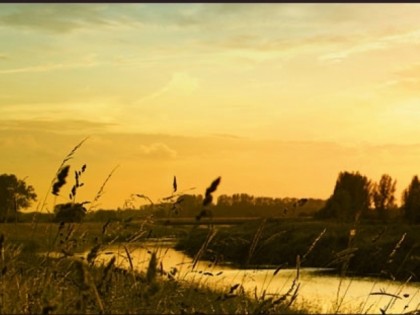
[[61, 179]]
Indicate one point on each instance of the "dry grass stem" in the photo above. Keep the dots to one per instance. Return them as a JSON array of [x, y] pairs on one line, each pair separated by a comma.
[[313, 244], [99, 194], [255, 240], [212, 233]]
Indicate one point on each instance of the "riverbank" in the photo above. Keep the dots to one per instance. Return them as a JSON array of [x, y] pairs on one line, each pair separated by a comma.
[[387, 251], [306, 287], [33, 283]]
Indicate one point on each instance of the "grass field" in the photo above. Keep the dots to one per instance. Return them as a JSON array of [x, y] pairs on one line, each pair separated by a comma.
[[35, 280], [34, 283]]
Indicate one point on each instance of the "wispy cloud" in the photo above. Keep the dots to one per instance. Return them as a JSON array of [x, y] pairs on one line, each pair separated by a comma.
[[181, 82], [373, 42], [60, 125], [48, 67], [406, 78], [157, 151], [410, 71], [57, 18], [226, 135]]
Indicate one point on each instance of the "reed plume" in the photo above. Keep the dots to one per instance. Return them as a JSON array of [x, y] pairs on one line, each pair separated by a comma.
[[61, 179]]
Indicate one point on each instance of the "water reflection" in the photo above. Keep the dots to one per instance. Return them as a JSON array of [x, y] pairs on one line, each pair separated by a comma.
[[320, 293]]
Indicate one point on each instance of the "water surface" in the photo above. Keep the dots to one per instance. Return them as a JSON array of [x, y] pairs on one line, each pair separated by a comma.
[[318, 293]]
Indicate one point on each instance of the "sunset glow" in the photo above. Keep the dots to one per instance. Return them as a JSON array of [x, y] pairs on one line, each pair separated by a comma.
[[276, 99]]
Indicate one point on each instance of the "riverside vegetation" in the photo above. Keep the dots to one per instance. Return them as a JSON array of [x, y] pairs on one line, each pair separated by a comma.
[[65, 284], [388, 251], [41, 271]]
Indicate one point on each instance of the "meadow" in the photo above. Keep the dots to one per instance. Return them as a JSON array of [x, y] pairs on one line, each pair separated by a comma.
[[41, 272], [53, 267]]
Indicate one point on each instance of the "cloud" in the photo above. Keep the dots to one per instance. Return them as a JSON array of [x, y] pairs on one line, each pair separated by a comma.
[[373, 42], [61, 18], [406, 78], [257, 48], [157, 151], [340, 55], [48, 67], [181, 83], [27, 141], [226, 135], [234, 16], [409, 72], [339, 31], [57, 18], [60, 126], [98, 110]]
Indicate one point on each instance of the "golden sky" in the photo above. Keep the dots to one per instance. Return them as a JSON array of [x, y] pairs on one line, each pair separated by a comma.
[[275, 98]]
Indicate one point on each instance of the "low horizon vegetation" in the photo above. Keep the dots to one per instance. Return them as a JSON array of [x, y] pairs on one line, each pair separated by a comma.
[[67, 284], [39, 281], [354, 198]]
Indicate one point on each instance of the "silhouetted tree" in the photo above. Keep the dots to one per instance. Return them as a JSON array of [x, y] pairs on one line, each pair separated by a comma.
[[69, 212], [383, 196], [188, 205], [241, 205], [14, 195], [411, 201], [350, 199]]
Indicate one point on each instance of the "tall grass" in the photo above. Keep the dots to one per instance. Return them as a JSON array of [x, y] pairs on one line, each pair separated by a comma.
[[71, 279], [43, 271]]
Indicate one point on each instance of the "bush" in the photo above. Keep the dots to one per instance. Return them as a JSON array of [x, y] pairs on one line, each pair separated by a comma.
[[69, 212]]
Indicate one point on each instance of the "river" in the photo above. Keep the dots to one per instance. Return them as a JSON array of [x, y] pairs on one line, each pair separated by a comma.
[[318, 293]]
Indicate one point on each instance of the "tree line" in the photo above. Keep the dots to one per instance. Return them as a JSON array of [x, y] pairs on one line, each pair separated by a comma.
[[237, 205], [357, 197], [354, 197]]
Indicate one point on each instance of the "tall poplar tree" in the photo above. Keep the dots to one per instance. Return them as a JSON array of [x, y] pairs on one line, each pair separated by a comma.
[[411, 201]]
